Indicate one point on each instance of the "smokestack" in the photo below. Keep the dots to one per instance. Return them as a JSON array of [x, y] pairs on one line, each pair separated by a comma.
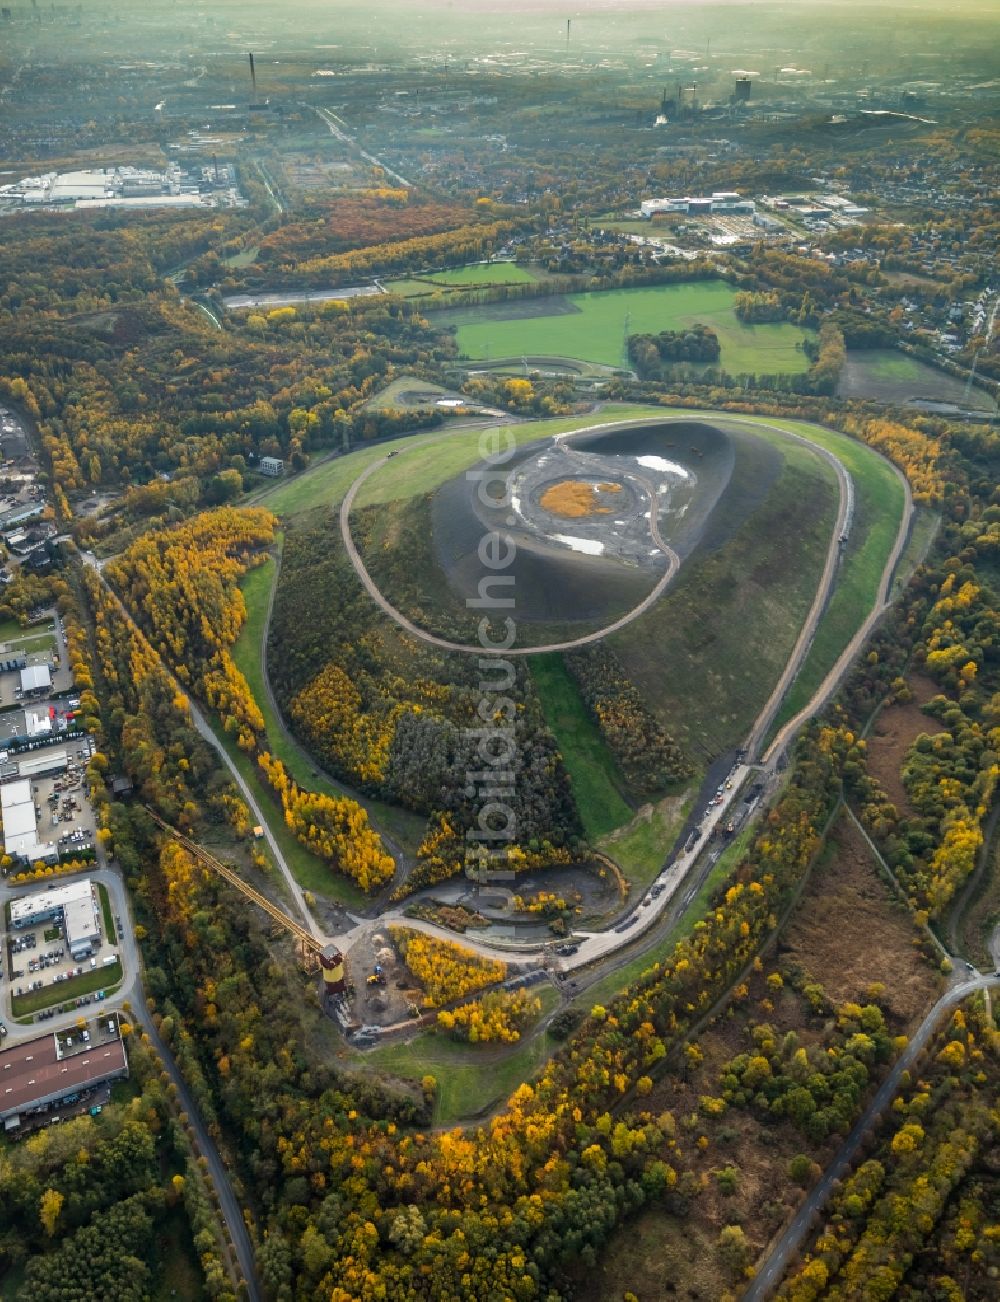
[[215, 163], [253, 79]]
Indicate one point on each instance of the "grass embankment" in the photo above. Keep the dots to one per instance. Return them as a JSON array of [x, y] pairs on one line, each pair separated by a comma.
[[404, 393], [471, 1079], [593, 774], [308, 871], [110, 931], [592, 327], [640, 847], [422, 465], [879, 501], [923, 531], [708, 653], [34, 645], [407, 828]]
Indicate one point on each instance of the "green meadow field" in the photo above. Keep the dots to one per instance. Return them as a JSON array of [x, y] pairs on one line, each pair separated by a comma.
[[593, 326]]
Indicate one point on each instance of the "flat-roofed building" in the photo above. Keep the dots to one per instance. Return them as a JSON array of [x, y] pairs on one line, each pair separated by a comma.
[[273, 466], [37, 723], [20, 826], [43, 762], [75, 904], [36, 678], [41, 1074]]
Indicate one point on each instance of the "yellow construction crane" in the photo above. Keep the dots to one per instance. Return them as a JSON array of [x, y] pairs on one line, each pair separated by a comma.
[[312, 952]]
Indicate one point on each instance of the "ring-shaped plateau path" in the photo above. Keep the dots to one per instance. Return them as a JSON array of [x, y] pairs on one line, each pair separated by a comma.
[[844, 513], [445, 644]]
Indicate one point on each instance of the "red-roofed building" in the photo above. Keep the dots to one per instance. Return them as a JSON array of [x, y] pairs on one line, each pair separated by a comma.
[[57, 1068]]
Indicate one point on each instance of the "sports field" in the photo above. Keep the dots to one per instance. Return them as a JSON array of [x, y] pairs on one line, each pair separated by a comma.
[[593, 327]]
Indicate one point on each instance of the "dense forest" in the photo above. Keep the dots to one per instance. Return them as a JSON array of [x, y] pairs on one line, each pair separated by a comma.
[[152, 404], [107, 1205], [542, 1185], [397, 718]]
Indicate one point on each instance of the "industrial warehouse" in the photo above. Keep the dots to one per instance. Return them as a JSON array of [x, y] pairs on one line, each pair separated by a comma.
[[61, 1070], [20, 824], [721, 201], [75, 905]]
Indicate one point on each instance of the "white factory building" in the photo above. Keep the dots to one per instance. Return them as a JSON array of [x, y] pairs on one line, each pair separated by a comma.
[[36, 678], [718, 203], [20, 825], [75, 905]]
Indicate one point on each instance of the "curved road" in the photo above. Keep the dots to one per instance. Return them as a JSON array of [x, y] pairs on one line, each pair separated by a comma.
[[777, 1260], [202, 726], [602, 945], [443, 643], [849, 653], [772, 1268], [131, 993], [844, 514]]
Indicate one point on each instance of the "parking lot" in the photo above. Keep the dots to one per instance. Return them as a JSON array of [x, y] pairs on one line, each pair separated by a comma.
[[38, 959], [61, 805], [43, 643], [60, 714]]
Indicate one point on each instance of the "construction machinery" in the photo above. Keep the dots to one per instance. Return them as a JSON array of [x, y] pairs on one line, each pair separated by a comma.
[[312, 953]]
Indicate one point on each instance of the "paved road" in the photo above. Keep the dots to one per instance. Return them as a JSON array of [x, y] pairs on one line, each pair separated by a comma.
[[204, 728], [131, 992], [847, 657], [201, 724], [771, 1269], [845, 513], [595, 946], [130, 987], [229, 1205], [602, 945], [445, 644]]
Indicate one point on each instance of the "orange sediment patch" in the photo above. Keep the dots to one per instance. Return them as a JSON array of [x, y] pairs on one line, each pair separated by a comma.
[[574, 498]]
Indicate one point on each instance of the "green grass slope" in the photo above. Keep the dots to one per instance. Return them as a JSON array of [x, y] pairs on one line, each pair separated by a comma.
[[707, 655], [593, 773]]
